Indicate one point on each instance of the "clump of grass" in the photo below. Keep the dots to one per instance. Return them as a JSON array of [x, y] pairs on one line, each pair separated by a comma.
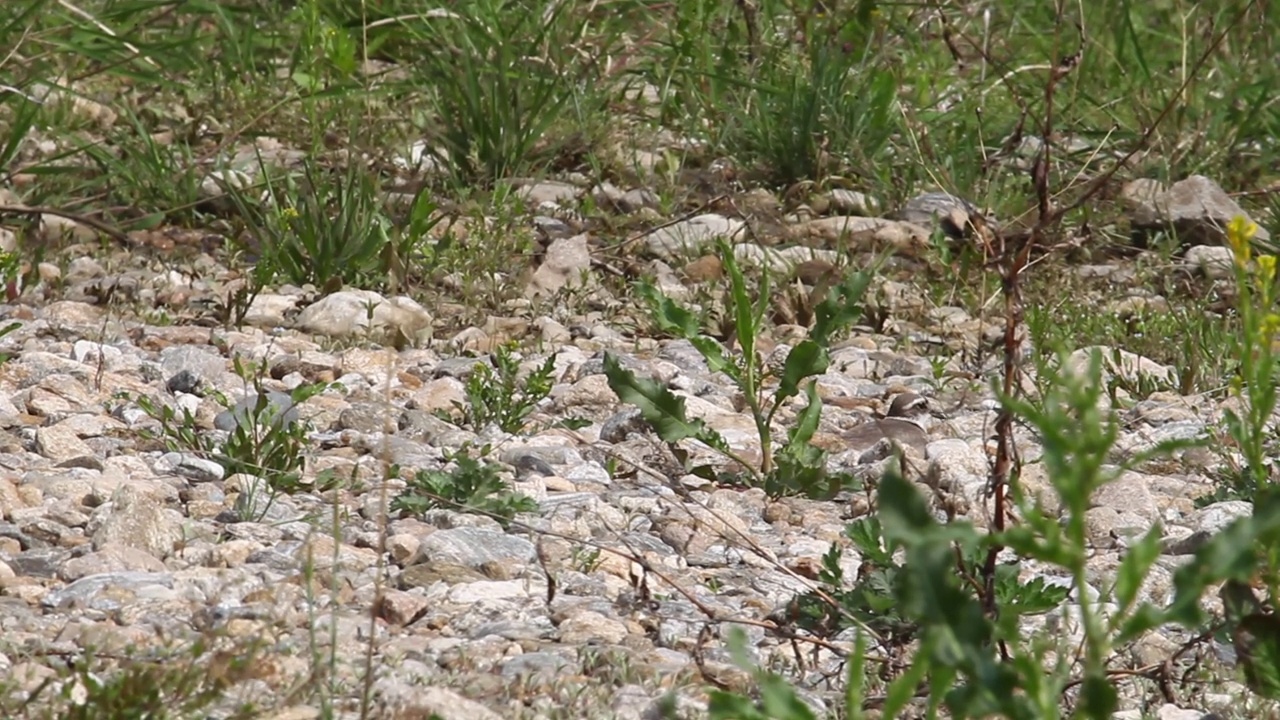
[[310, 229], [511, 86]]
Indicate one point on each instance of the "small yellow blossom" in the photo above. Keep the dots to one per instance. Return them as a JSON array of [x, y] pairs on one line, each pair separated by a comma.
[[289, 213], [1270, 324], [1239, 234], [1267, 267]]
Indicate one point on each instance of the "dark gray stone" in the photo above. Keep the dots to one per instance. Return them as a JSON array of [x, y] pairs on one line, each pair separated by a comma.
[[280, 409], [42, 562], [184, 381]]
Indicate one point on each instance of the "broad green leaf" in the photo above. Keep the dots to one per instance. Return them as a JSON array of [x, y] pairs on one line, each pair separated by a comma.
[[865, 533], [903, 688], [855, 678], [1238, 600], [1143, 620], [903, 514], [1098, 697], [806, 423], [806, 359], [713, 352], [661, 408]]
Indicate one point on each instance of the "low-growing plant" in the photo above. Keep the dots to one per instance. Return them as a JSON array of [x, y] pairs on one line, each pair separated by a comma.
[[871, 601], [324, 227], [1195, 343], [473, 484], [933, 595], [265, 443], [497, 395], [4, 356], [190, 683], [10, 268], [161, 181], [507, 80], [944, 587], [1249, 425], [795, 466], [585, 559]]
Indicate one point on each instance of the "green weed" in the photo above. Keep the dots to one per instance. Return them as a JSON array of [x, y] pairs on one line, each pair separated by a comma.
[[264, 444], [497, 395], [794, 467], [472, 485]]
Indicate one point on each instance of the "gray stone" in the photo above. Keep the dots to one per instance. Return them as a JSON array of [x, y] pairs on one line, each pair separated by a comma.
[[278, 409], [1197, 210], [60, 443], [538, 665], [428, 574], [198, 365], [41, 562], [692, 236], [852, 202], [473, 547], [567, 264], [1214, 261], [108, 591], [547, 191], [110, 559], [137, 520], [949, 212], [370, 418], [410, 699], [190, 466]]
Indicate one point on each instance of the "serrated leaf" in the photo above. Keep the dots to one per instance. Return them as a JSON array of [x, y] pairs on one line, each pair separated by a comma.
[[1029, 597], [865, 534], [661, 408], [713, 352]]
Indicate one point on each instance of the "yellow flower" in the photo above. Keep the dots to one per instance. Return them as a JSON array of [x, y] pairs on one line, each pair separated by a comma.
[[1270, 324], [1267, 268], [1239, 232]]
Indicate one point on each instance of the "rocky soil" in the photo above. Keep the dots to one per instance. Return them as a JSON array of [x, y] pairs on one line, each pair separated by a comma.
[[614, 597]]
